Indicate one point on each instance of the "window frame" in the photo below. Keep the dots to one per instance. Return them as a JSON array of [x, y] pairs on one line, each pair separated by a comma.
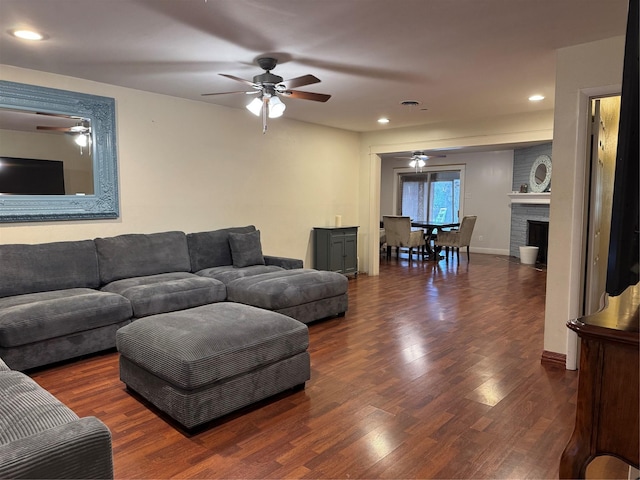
[[397, 189]]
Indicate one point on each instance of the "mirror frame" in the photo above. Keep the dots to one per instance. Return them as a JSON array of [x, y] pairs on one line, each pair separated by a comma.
[[100, 111], [541, 187]]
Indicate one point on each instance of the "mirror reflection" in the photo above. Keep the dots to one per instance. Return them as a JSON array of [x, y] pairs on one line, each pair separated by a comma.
[[45, 153], [541, 173]]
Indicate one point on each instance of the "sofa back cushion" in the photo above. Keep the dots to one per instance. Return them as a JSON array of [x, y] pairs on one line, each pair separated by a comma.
[[211, 249], [139, 255], [47, 266]]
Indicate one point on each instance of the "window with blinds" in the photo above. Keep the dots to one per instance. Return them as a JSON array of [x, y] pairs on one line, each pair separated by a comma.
[[430, 196]]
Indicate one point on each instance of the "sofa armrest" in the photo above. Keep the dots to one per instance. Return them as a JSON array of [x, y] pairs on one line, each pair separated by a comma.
[[284, 262], [79, 449]]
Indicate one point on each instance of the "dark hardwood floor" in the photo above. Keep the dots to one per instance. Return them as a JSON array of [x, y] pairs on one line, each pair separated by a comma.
[[434, 372]]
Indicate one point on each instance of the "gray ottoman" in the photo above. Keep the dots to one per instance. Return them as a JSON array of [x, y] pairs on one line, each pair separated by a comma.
[[302, 293], [204, 362]]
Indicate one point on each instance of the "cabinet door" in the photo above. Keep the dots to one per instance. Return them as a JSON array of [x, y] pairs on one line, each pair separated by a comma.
[[336, 262], [350, 253]]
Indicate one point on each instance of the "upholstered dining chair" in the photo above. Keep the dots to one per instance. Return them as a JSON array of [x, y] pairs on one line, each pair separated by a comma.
[[399, 234], [454, 239]]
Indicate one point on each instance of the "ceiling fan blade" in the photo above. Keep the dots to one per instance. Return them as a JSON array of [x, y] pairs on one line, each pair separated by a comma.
[[316, 97], [238, 79], [300, 81], [61, 115], [56, 129], [225, 93]]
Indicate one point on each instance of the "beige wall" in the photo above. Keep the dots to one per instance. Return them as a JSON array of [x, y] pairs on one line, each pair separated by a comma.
[[192, 166], [582, 71]]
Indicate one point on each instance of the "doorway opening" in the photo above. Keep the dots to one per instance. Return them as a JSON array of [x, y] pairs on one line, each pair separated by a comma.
[[603, 138]]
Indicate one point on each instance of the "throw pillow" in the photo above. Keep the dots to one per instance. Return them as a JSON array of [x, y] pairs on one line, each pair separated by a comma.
[[246, 249]]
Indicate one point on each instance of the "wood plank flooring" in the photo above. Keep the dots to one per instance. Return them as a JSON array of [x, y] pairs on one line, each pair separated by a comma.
[[434, 372]]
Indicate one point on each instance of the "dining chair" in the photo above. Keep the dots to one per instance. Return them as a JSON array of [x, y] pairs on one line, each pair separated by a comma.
[[454, 239], [399, 234]]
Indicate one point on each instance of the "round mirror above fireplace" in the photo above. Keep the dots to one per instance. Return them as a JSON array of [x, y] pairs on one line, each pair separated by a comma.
[[540, 175]]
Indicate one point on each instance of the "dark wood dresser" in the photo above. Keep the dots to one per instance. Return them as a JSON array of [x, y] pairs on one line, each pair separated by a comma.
[[607, 415]]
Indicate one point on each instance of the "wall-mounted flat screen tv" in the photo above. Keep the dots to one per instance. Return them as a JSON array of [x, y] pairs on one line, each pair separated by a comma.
[[28, 176]]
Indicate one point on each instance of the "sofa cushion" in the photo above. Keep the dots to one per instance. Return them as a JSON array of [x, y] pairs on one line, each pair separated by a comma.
[[26, 409], [40, 316], [138, 255], [211, 249], [196, 347], [167, 292], [246, 249], [229, 273], [279, 290], [47, 266]]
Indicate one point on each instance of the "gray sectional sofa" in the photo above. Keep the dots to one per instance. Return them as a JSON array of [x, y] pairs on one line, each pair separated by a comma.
[[62, 300], [41, 438]]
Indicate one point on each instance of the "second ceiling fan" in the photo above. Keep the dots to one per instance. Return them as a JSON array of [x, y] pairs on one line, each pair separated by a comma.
[[269, 87], [419, 160]]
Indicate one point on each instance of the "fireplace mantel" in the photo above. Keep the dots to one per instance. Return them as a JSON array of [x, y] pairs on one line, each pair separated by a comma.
[[531, 198]]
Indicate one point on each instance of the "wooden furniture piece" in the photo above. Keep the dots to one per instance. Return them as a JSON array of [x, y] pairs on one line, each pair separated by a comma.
[[336, 249], [607, 409], [431, 231]]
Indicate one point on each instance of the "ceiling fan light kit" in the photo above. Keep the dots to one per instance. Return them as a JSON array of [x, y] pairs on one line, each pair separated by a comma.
[[419, 159], [270, 87], [418, 163], [81, 140], [255, 106]]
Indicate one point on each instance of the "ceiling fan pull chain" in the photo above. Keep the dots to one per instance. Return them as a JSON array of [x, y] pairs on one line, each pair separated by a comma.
[[265, 105]]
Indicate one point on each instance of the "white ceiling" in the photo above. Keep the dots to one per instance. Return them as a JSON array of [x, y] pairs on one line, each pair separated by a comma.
[[461, 59]]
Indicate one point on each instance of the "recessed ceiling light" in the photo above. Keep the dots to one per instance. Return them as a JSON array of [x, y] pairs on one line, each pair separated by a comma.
[[383, 120], [536, 98], [27, 34]]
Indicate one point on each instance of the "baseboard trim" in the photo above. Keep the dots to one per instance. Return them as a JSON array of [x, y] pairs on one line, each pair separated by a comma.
[[553, 359]]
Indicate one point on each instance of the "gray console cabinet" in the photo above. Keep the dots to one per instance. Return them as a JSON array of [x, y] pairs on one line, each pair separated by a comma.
[[336, 249]]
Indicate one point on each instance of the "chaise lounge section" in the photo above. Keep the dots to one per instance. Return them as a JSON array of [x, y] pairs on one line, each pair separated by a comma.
[[234, 256]]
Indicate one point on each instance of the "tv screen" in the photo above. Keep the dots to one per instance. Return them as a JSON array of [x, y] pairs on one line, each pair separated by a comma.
[[27, 176]]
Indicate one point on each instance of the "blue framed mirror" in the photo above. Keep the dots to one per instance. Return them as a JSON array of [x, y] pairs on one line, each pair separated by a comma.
[[81, 182]]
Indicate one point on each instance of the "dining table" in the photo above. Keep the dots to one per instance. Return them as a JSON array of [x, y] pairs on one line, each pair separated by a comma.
[[431, 230]]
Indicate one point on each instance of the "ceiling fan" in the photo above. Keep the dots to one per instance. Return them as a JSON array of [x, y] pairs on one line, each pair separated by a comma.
[[419, 159], [269, 87], [81, 131]]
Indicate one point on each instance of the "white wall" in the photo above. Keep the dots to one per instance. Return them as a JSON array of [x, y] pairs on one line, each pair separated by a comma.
[[193, 166], [582, 71], [487, 180], [509, 129]]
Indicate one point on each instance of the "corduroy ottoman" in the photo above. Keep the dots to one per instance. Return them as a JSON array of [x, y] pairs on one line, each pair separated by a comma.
[[202, 363]]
